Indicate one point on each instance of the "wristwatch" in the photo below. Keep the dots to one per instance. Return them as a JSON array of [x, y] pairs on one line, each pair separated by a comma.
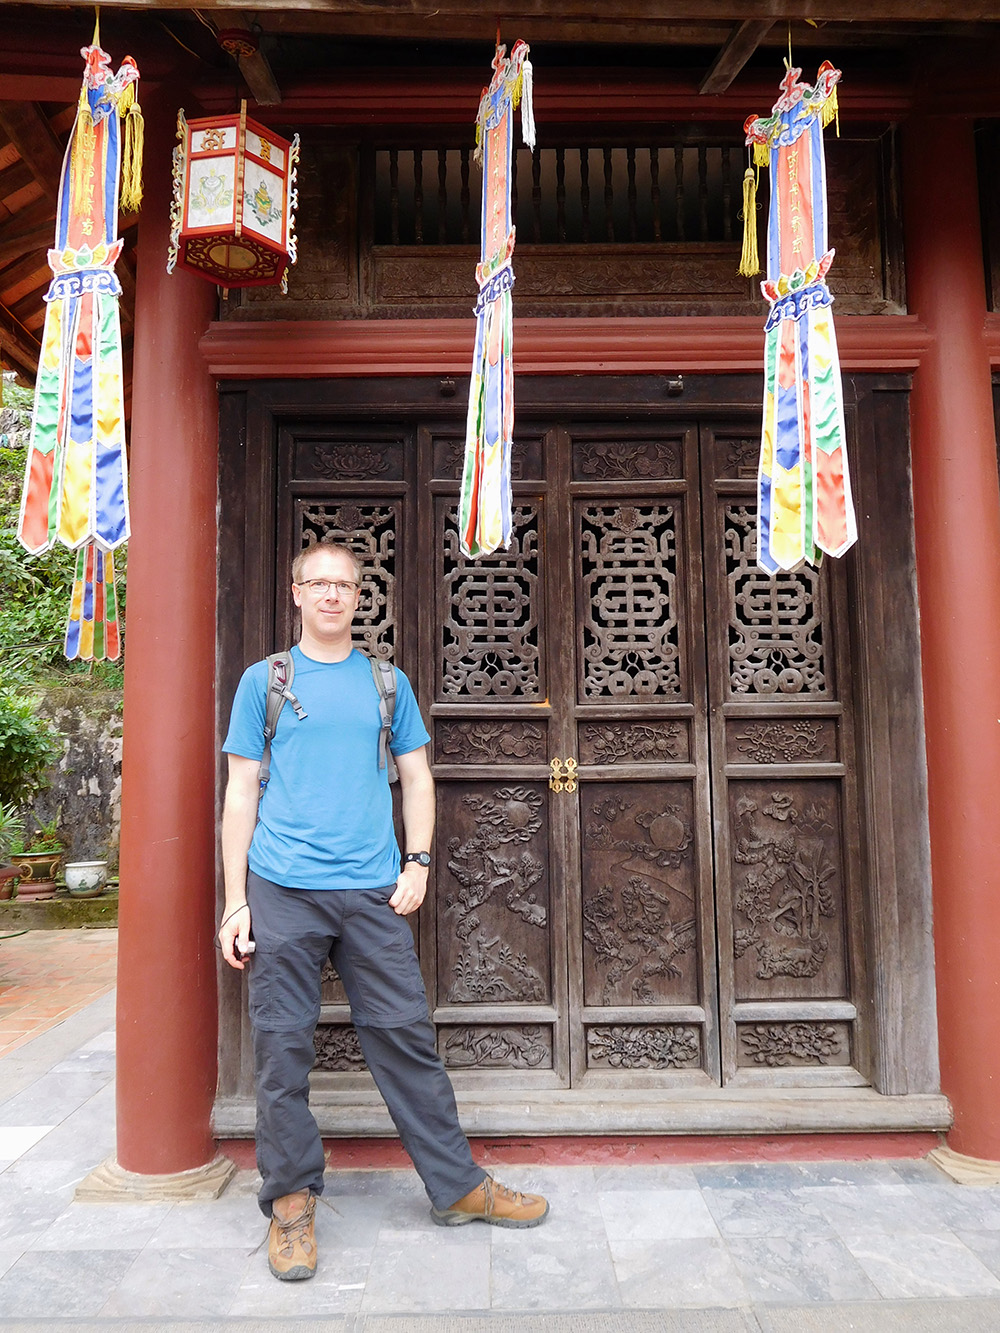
[[421, 858]]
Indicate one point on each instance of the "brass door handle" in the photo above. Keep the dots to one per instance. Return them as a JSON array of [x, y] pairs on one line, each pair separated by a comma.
[[563, 776]]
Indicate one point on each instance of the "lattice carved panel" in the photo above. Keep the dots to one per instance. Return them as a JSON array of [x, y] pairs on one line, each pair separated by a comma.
[[501, 1047], [338, 1049], [801, 1044], [640, 930], [491, 631], [630, 603], [788, 889], [500, 742], [493, 891], [375, 532], [777, 626], [637, 1046], [655, 742]]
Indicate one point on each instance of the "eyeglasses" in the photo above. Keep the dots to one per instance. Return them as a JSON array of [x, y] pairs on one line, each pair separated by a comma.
[[320, 587]]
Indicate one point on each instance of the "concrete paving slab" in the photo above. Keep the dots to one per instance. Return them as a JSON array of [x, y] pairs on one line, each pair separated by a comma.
[[884, 1317]]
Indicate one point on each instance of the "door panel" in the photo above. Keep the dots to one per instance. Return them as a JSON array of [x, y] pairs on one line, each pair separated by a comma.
[[687, 909], [787, 875]]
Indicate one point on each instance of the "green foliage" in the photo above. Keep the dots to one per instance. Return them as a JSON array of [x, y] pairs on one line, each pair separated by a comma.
[[47, 838], [11, 831], [27, 748], [35, 590]]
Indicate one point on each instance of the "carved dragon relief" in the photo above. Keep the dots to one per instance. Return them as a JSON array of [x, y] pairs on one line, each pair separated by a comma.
[[634, 930], [790, 887], [491, 870], [635, 1047]]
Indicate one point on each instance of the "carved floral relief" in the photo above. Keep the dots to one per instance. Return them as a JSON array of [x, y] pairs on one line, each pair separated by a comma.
[[639, 912], [624, 1046]]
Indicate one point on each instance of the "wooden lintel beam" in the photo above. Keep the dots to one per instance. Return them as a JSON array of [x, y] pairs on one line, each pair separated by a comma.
[[29, 131], [740, 46], [13, 247]]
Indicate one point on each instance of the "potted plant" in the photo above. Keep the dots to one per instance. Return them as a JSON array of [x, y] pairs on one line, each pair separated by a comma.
[[38, 865], [85, 879], [11, 833]]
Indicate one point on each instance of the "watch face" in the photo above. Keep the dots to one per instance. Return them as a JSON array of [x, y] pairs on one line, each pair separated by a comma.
[[421, 858]]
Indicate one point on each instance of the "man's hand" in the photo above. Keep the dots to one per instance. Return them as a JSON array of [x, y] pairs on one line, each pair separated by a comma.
[[410, 889], [235, 928]]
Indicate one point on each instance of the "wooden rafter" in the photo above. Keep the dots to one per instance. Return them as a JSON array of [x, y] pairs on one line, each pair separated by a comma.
[[740, 46], [13, 246], [29, 131], [16, 343], [254, 66]]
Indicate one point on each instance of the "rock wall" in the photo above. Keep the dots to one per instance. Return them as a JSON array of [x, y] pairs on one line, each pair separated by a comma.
[[85, 795]]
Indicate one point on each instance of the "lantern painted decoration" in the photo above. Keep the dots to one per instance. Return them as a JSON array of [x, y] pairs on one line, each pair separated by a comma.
[[75, 486], [803, 488], [485, 502], [232, 220]]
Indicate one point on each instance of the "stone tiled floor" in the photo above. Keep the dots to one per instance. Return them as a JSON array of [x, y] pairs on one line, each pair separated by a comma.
[[46, 975], [752, 1240]]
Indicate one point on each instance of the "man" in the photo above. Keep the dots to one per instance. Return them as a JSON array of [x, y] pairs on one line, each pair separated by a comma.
[[315, 871]]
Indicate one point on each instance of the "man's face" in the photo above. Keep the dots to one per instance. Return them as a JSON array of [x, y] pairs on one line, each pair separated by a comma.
[[328, 614]]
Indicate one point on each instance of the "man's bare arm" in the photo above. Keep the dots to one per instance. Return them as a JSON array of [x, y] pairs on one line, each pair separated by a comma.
[[239, 819], [417, 788]]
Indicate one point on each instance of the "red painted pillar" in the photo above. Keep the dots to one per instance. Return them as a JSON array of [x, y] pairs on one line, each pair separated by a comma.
[[167, 1005], [957, 512]]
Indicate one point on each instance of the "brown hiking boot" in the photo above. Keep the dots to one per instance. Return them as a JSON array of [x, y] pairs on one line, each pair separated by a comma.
[[496, 1204], [291, 1244]]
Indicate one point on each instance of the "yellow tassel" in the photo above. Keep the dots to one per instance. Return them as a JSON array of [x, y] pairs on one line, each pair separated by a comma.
[[831, 111], [761, 154], [82, 159], [750, 260], [133, 132]]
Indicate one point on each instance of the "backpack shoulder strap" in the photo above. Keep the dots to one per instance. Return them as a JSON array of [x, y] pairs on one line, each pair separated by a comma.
[[280, 674], [384, 675]]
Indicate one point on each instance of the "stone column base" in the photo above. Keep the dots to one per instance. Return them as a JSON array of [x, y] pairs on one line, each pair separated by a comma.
[[110, 1183], [965, 1170]]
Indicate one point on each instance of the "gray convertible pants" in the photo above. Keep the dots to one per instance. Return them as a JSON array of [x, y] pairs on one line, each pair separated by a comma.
[[372, 949]]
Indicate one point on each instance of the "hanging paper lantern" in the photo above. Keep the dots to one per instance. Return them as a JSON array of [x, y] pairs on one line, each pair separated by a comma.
[[803, 484], [232, 220]]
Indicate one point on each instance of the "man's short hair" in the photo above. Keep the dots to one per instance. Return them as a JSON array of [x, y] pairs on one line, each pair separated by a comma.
[[335, 548]]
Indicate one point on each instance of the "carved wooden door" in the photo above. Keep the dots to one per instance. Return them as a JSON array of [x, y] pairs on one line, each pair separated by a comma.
[[646, 863]]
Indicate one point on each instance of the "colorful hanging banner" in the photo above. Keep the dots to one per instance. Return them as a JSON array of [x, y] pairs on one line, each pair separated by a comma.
[[485, 504], [75, 485], [92, 630], [803, 489]]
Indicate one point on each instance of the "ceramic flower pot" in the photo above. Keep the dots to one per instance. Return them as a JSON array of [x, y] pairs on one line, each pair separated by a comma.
[[85, 879], [7, 876], [38, 875]]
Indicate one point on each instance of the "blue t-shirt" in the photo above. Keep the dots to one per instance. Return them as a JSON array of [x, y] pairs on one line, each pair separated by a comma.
[[325, 819]]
